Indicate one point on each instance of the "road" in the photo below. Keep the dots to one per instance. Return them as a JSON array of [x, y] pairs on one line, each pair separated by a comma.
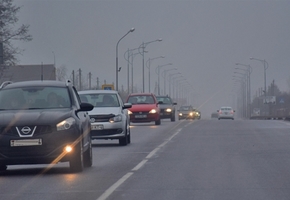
[[200, 159]]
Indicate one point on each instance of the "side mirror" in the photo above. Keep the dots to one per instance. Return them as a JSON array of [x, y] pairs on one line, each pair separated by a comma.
[[86, 107], [218, 110], [127, 105], [174, 103]]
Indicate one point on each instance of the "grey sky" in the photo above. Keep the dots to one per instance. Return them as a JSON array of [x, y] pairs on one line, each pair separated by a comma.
[[203, 39]]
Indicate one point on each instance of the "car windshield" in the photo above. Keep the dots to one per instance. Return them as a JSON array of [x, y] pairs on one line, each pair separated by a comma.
[[185, 108], [142, 99], [101, 99], [34, 98], [165, 100]]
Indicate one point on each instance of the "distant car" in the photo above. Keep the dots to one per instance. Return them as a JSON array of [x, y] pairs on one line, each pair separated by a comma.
[[186, 112], [167, 107], [144, 108], [109, 118], [226, 112], [198, 114], [44, 122]]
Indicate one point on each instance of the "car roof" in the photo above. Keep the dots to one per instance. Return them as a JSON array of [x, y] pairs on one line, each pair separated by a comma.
[[36, 83], [141, 94], [98, 92]]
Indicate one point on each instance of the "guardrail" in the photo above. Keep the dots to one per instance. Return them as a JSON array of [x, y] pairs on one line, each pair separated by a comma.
[[272, 117]]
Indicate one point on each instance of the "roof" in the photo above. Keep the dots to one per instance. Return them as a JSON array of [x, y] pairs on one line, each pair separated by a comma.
[[28, 72], [98, 92], [36, 83]]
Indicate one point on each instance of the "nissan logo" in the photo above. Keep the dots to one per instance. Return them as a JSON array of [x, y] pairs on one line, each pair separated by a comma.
[[26, 130]]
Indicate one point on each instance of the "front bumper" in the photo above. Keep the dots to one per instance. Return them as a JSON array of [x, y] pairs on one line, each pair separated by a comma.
[[107, 130], [49, 150]]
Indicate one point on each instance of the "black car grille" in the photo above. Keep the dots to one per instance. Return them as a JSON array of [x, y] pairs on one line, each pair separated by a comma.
[[141, 113], [12, 131], [101, 118], [107, 132]]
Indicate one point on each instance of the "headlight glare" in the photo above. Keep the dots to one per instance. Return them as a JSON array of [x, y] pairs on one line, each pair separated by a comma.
[[168, 110], [153, 111]]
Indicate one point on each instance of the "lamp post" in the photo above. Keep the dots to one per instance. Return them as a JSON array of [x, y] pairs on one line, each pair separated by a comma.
[[164, 73], [242, 80], [249, 72], [148, 63], [158, 73], [143, 46], [266, 66], [169, 79], [117, 67]]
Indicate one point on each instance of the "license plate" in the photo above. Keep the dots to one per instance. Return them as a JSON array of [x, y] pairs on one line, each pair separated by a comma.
[[26, 142], [140, 116], [97, 127]]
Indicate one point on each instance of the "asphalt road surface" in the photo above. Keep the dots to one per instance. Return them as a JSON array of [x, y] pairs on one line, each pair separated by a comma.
[[188, 159]]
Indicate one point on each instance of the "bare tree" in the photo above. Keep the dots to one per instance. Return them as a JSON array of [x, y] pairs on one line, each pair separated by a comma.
[[9, 32], [61, 73]]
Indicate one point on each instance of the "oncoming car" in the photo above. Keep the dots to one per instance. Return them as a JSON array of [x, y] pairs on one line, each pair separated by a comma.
[[186, 112], [44, 122], [144, 108], [226, 112], [167, 107], [109, 118]]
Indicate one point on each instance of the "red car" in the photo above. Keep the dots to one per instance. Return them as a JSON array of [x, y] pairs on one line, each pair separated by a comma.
[[144, 108]]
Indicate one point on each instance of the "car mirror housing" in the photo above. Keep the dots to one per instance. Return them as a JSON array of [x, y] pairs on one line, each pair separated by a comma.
[[86, 107], [127, 105]]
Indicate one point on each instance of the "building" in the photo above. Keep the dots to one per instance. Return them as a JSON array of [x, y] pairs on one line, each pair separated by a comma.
[[27, 72]]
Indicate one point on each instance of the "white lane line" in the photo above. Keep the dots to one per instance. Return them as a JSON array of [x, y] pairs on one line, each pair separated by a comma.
[[109, 191]]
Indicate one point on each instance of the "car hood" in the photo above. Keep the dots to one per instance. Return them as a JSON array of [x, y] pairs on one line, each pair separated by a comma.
[[142, 107], [105, 110], [35, 117]]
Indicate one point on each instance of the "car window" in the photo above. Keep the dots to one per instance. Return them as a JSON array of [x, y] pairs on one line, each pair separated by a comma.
[[34, 98], [141, 99], [165, 100], [101, 99]]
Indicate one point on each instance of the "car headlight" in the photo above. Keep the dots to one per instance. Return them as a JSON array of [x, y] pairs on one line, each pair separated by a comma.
[[65, 124], [129, 112], [117, 118], [180, 114], [153, 111], [168, 110], [191, 114]]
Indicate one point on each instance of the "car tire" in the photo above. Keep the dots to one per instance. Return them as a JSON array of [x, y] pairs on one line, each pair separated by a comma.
[[129, 134], [124, 141], [173, 118], [88, 156], [158, 122], [77, 160]]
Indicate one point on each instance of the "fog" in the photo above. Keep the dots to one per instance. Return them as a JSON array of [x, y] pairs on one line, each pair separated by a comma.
[[202, 39]]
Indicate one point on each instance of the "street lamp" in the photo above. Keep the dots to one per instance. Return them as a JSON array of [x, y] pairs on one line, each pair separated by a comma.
[[117, 69], [164, 73], [158, 73], [266, 65], [143, 46], [249, 71], [169, 79], [148, 66]]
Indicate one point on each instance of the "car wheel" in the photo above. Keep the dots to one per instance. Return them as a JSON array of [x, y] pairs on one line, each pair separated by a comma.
[[173, 118], [158, 122], [129, 134], [124, 141], [88, 156], [76, 162]]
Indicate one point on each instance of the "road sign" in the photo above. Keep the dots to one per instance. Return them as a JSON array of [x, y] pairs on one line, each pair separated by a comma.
[[108, 87], [269, 100]]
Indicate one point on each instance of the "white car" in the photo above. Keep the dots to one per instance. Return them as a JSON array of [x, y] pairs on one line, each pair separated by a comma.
[[109, 118], [226, 112]]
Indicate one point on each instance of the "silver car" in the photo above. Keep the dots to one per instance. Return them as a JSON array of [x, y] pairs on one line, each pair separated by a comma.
[[226, 112], [109, 118]]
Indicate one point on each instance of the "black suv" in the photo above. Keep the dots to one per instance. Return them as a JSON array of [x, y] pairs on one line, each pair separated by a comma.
[[44, 122], [167, 107]]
